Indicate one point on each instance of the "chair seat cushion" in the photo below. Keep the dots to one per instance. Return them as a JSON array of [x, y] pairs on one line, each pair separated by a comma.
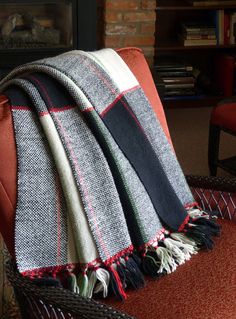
[[224, 115], [204, 287]]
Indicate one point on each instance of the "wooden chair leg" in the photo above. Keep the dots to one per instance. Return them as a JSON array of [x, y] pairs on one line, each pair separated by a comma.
[[213, 148]]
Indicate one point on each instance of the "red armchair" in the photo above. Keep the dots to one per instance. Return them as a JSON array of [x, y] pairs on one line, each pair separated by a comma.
[[205, 287], [223, 118]]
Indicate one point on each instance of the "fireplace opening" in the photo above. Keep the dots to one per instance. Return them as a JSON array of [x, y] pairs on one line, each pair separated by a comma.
[[33, 29], [36, 26]]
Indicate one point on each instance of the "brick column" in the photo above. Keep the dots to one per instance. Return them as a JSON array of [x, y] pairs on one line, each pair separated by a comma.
[[130, 23]]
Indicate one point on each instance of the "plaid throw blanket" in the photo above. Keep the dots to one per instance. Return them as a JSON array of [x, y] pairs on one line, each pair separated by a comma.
[[102, 199]]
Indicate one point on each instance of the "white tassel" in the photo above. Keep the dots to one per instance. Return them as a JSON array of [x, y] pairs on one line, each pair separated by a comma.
[[181, 251], [91, 283], [167, 261], [82, 284], [75, 287], [184, 239], [103, 278], [175, 251], [196, 213]]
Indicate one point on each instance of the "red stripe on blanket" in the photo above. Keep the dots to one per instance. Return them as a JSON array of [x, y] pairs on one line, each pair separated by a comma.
[[89, 109], [20, 107], [153, 241], [93, 265], [185, 222], [58, 109], [117, 99], [116, 257]]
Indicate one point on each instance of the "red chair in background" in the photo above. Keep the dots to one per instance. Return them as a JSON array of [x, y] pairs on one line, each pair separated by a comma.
[[223, 118]]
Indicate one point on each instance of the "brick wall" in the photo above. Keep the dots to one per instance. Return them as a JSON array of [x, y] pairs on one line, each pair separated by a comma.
[[130, 23]]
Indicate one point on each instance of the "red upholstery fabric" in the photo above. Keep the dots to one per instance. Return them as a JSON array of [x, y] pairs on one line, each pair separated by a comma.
[[8, 163], [224, 115], [7, 174], [203, 288]]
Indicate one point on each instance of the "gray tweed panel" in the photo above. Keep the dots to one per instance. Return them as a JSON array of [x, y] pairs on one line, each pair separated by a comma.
[[147, 118], [96, 184], [40, 231], [91, 78], [143, 211]]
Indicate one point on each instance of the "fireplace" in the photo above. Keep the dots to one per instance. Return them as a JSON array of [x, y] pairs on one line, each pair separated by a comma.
[[33, 29]]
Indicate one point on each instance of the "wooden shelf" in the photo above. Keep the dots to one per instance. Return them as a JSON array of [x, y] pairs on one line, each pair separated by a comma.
[[175, 46], [175, 5], [205, 101], [170, 16]]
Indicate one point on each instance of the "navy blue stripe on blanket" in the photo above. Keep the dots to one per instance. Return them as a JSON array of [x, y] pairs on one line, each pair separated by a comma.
[[128, 134]]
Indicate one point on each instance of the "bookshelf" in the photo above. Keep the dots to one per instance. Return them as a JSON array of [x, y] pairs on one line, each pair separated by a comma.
[[171, 15]]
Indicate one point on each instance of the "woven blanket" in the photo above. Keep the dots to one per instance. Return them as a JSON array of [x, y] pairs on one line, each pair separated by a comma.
[[101, 197]]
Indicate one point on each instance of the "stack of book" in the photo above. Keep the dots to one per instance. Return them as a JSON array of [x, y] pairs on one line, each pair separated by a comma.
[[204, 3], [176, 76], [198, 33], [225, 24]]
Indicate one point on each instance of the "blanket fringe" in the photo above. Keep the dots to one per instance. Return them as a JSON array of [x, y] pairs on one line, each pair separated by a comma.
[[82, 283], [130, 273], [102, 281], [201, 228], [173, 249], [116, 283], [157, 258]]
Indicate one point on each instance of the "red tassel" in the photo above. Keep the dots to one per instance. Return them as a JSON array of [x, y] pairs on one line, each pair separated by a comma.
[[119, 283]]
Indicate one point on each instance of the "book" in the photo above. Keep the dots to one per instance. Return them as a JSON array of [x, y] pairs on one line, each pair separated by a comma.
[[179, 86], [172, 65], [199, 42], [199, 36], [190, 96], [220, 26], [199, 31], [198, 26], [169, 74], [224, 73], [232, 27], [176, 94], [203, 3], [184, 79], [180, 92], [226, 28]]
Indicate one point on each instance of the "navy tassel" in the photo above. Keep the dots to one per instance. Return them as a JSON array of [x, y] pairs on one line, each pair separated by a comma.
[[134, 276], [137, 260], [201, 235], [151, 265], [214, 228], [122, 274], [115, 284]]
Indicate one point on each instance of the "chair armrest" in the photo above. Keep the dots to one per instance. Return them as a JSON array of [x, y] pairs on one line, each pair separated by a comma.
[[215, 194], [52, 302]]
